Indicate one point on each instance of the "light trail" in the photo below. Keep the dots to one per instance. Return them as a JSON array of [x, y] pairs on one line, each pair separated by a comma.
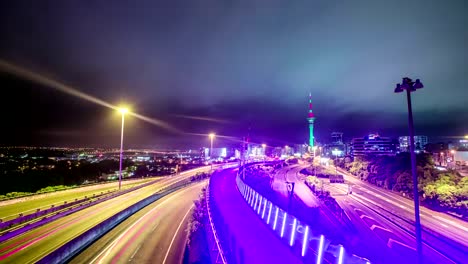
[[51, 83]]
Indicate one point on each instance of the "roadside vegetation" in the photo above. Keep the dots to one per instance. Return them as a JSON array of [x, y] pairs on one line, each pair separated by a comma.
[[196, 250], [47, 189], [439, 190]]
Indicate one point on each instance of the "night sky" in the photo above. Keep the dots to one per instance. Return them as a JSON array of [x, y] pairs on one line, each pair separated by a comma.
[[248, 64]]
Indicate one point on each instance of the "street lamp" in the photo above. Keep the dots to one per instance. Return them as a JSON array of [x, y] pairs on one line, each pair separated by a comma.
[[211, 135], [122, 111], [336, 161], [410, 86]]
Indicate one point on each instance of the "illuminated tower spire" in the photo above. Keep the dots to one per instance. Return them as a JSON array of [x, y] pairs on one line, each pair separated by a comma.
[[311, 119]]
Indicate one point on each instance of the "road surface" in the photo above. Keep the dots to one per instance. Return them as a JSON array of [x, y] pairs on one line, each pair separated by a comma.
[[250, 239], [156, 234], [34, 245], [385, 219]]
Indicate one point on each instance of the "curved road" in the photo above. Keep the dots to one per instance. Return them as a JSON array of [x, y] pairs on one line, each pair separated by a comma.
[[34, 245], [385, 215], [156, 234]]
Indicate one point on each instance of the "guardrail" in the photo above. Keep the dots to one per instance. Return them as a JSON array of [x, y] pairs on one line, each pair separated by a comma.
[[67, 251], [47, 219], [302, 238], [216, 252]]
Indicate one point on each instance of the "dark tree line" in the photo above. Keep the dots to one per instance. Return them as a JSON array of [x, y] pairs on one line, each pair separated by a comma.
[[33, 175]]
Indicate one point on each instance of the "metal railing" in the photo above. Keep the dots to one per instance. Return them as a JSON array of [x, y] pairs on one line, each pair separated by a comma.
[[220, 256]]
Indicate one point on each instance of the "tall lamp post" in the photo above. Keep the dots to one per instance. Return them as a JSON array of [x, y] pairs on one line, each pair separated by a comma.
[[123, 111], [410, 86], [212, 135]]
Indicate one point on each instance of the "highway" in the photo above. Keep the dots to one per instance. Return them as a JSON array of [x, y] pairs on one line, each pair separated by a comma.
[[385, 219], [156, 234], [29, 204], [32, 246], [250, 240]]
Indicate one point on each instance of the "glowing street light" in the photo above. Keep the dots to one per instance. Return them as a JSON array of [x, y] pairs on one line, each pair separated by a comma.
[[122, 111], [211, 135], [410, 86]]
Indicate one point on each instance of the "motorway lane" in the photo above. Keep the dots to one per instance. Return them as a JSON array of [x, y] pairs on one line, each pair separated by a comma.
[[156, 234], [396, 241], [451, 227], [442, 223], [27, 205], [33, 245], [386, 238]]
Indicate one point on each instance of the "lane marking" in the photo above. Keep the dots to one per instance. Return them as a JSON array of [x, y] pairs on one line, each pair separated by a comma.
[[136, 250], [154, 227], [383, 228], [175, 234], [392, 241], [451, 222], [444, 225], [111, 246], [362, 217]]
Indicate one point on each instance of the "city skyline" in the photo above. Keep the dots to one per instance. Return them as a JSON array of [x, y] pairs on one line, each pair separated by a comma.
[[251, 74]]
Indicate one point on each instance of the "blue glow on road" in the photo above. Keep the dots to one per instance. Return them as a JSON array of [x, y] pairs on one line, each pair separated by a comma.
[[269, 213], [264, 208], [284, 223], [340, 258], [320, 250], [305, 240], [291, 241], [276, 218]]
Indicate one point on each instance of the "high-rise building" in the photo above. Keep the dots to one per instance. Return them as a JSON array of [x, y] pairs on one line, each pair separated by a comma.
[[373, 144], [337, 138], [419, 143], [311, 120], [300, 149]]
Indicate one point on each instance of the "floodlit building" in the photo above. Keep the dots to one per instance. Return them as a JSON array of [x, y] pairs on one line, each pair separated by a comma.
[[373, 144], [419, 143], [337, 138]]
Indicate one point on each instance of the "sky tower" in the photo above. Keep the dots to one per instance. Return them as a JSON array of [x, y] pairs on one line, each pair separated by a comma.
[[311, 119]]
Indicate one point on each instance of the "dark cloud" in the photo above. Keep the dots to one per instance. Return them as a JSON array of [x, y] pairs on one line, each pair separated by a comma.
[[252, 62]]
